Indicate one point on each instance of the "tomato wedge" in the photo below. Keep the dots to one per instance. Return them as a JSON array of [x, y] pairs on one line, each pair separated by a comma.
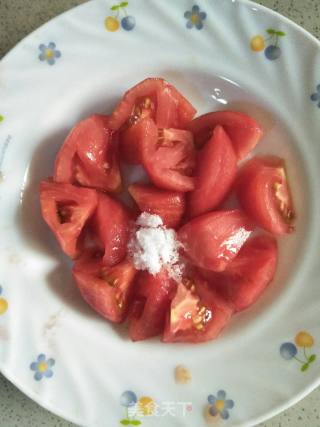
[[169, 205], [248, 275], [197, 313], [129, 143], [107, 290], [212, 240], [263, 192], [66, 209], [111, 223], [216, 171], [169, 157], [150, 304], [89, 156], [244, 132], [154, 98]]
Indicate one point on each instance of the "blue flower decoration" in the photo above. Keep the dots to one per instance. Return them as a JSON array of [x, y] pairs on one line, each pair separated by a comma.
[[315, 97], [219, 404], [195, 18], [49, 53], [128, 398], [42, 367]]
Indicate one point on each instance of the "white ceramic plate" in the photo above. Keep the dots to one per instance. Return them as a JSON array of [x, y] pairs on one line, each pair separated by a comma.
[[53, 346]]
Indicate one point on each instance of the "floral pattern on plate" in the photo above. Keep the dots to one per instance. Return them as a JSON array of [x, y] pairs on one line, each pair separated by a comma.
[[49, 53], [195, 18], [315, 97], [289, 350], [42, 367], [142, 407], [269, 45], [219, 405], [3, 303], [112, 23]]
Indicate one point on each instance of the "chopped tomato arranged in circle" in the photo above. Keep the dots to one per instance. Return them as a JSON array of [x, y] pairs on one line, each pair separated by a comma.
[[169, 205], [150, 304], [169, 157], [263, 192], [197, 313], [89, 156], [186, 167], [111, 223], [66, 209], [247, 276], [244, 132], [215, 173], [212, 240], [107, 290]]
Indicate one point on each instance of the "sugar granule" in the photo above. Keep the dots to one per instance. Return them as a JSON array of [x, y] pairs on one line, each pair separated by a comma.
[[153, 246]]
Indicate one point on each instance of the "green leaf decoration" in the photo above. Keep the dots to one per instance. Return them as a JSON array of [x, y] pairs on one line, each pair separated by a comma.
[[125, 422], [1, 118], [124, 4], [304, 367], [312, 358], [114, 7], [280, 33], [135, 422], [271, 31]]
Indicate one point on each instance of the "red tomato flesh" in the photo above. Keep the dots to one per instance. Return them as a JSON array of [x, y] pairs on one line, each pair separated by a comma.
[[169, 205], [215, 173], [212, 240], [111, 223], [129, 143], [154, 98], [89, 156], [107, 290], [151, 302], [197, 313], [248, 275], [244, 132], [169, 157], [66, 209], [263, 192]]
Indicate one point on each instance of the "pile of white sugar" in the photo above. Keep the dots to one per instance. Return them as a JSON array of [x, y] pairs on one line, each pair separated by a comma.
[[153, 246]]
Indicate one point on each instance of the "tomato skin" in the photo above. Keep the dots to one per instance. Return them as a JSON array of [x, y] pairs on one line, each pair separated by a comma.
[[263, 192], [212, 240], [197, 314], [168, 107], [169, 205], [111, 223], [66, 209], [168, 158], [215, 174], [243, 131], [248, 275], [89, 156], [108, 290], [150, 304]]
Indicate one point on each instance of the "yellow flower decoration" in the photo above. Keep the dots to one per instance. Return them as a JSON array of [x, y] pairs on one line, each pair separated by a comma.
[[304, 339], [146, 405]]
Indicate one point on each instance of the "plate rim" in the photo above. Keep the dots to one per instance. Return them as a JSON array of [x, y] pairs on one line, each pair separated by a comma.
[[252, 421]]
